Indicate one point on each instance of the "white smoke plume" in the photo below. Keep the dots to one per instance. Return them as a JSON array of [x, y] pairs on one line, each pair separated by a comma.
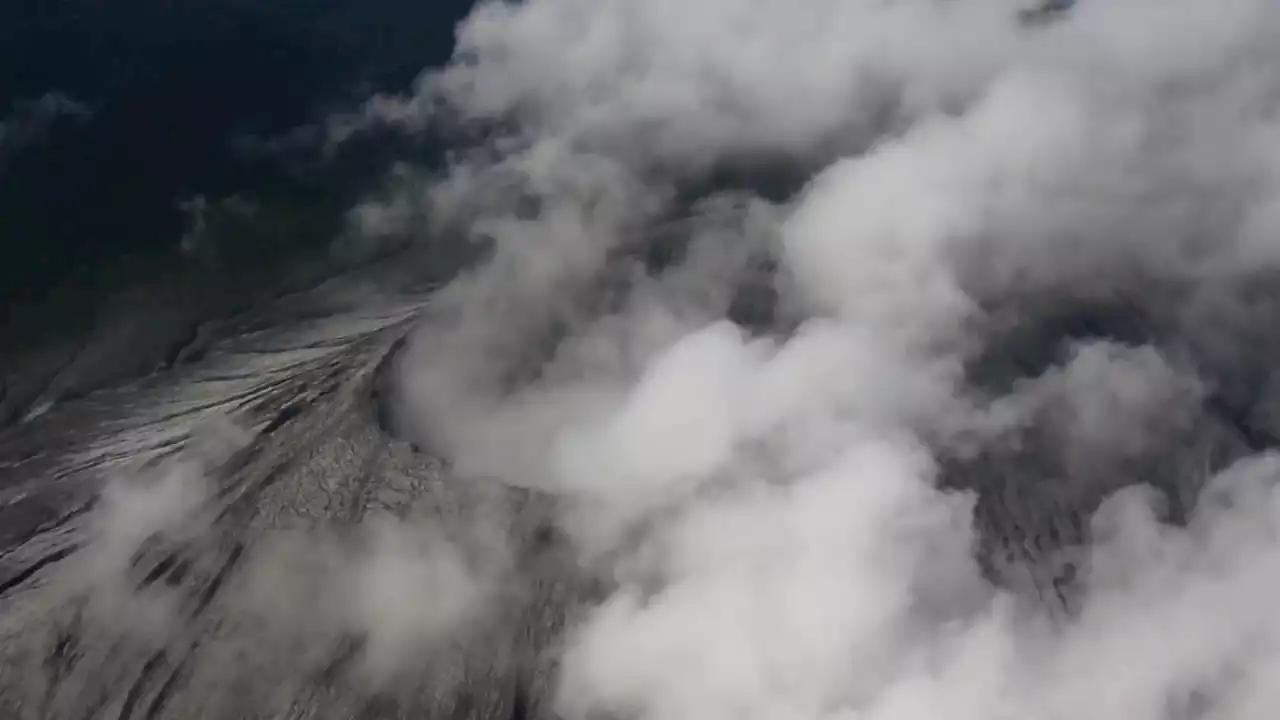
[[164, 502], [776, 504], [404, 592]]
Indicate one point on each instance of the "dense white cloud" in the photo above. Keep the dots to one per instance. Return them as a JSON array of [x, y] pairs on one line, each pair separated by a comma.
[[770, 505]]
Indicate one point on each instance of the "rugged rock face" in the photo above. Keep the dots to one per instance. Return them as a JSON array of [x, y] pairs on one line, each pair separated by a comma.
[[279, 422]]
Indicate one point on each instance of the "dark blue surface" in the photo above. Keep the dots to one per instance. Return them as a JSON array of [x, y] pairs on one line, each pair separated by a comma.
[[172, 81]]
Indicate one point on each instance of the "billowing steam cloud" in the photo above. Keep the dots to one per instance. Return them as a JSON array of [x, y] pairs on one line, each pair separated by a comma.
[[894, 360], [885, 361]]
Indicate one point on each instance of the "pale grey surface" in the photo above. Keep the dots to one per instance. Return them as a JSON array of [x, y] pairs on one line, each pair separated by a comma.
[[301, 374]]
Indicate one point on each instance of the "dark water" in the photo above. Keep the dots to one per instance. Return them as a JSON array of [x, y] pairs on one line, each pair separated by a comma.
[[170, 84]]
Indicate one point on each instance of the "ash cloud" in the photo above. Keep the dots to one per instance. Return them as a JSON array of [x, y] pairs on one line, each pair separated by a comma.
[[831, 512]]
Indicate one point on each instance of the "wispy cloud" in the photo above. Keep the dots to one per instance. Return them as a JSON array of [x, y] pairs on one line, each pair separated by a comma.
[[28, 120]]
